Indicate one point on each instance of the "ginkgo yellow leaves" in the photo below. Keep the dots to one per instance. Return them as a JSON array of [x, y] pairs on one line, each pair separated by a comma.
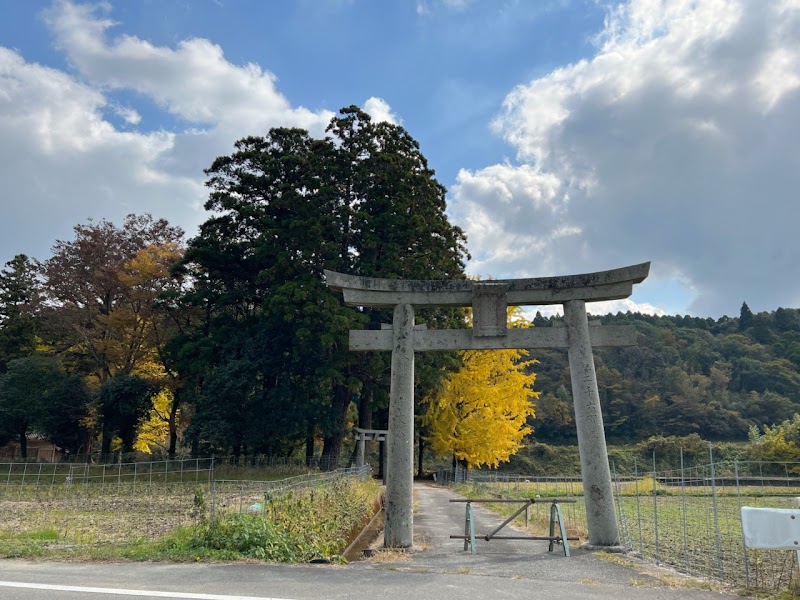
[[480, 415]]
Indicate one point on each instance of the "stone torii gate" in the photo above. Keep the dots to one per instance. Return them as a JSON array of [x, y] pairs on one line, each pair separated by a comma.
[[489, 301]]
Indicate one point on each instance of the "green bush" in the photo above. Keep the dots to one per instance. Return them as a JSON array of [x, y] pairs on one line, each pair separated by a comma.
[[256, 537], [544, 460], [779, 443], [668, 451]]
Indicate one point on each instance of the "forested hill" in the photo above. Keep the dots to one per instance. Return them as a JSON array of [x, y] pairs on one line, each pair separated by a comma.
[[715, 378]]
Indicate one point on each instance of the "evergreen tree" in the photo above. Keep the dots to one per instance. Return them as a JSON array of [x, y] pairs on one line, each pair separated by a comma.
[[37, 396], [19, 296], [288, 206], [122, 403], [745, 317]]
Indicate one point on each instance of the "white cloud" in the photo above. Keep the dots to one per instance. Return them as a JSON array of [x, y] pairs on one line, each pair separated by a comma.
[[456, 4], [425, 7], [129, 115], [379, 110], [511, 214], [677, 142], [598, 309], [625, 305], [193, 81], [62, 161]]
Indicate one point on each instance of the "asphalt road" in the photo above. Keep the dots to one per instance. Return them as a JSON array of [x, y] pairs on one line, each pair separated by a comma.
[[438, 568]]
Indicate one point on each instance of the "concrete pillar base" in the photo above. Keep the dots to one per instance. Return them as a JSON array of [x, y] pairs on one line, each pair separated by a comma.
[[609, 549]]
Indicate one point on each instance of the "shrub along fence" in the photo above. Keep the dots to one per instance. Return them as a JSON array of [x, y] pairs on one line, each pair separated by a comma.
[[688, 518], [80, 504]]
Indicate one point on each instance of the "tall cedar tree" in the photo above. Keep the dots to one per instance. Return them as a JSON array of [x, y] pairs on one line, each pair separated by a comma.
[[19, 297], [276, 364]]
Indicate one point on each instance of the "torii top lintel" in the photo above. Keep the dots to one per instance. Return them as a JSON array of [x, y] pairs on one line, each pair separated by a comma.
[[590, 287]]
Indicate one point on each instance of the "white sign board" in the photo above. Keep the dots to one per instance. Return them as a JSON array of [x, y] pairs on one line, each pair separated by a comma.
[[771, 528]]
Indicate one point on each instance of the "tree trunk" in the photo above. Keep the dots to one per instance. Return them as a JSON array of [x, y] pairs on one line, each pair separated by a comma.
[[23, 444], [353, 456], [173, 425], [310, 445], [237, 450], [173, 442], [332, 447], [105, 448]]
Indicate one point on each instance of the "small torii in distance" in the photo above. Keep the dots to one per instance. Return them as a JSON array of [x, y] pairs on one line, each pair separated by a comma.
[[489, 301], [363, 436]]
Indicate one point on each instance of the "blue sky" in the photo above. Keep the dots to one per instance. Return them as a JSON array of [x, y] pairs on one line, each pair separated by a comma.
[[436, 62], [573, 135]]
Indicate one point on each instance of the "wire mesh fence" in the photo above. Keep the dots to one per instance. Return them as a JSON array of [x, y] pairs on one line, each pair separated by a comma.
[[274, 463], [84, 504], [688, 518], [255, 496]]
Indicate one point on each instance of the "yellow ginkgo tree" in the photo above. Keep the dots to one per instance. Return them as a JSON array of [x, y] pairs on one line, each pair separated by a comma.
[[480, 414]]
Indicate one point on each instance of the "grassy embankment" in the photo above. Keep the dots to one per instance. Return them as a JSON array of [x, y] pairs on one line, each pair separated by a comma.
[[175, 516]]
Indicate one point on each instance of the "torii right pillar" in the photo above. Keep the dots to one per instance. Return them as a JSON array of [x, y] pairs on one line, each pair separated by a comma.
[[597, 493]]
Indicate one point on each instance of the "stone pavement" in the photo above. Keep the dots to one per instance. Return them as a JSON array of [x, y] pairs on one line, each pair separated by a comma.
[[435, 519]]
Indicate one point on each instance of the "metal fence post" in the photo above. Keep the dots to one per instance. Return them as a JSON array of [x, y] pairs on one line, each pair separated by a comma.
[[213, 492], [716, 511], [744, 546], [621, 516], [655, 509], [638, 507], [683, 510]]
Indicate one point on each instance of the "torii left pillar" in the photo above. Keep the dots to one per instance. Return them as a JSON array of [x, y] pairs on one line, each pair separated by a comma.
[[399, 519]]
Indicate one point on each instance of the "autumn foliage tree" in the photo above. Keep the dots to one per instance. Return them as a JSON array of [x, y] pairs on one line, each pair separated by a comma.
[[157, 318], [101, 316], [480, 414]]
